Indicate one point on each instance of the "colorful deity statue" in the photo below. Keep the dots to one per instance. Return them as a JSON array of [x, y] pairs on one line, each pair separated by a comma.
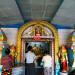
[[3, 43], [12, 50], [63, 59], [57, 65], [73, 48]]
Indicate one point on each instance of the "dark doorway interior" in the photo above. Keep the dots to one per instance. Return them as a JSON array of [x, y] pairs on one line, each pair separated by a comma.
[[39, 48]]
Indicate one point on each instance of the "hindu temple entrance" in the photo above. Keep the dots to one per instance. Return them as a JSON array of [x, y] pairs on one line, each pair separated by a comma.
[[41, 36]]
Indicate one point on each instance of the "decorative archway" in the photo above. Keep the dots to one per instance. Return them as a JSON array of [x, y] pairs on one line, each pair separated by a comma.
[[25, 26]]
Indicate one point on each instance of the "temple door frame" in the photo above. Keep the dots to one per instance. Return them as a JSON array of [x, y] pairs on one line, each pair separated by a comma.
[[25, 26]]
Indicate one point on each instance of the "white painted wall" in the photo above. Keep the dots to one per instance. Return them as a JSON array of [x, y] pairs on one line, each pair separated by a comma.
[[11, 34], [63, 35]]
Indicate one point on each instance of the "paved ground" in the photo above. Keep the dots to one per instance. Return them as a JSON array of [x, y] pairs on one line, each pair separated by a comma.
[[18, 70]]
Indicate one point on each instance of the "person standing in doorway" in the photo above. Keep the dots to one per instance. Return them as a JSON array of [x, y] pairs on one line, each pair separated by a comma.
[[47, 63], [30, 57]]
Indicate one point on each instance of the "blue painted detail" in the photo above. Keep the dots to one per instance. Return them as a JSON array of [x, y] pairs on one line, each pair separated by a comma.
[[70, 57], [61, 26], [57, 72], [11, 25], [18, 25], [57, 67], [3, 52]]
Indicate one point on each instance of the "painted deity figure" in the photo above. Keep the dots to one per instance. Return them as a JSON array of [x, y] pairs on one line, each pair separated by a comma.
[[63, 59], [12, 51], [38, 31], [73, 48]]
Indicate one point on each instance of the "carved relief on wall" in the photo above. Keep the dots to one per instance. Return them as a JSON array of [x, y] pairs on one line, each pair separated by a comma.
[[37, 30]]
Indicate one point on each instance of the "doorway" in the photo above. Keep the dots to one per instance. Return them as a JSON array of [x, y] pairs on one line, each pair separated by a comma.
[[39, 48], [37, 32]]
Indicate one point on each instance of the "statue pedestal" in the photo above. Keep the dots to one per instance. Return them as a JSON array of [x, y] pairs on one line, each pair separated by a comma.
[[62, 73]]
